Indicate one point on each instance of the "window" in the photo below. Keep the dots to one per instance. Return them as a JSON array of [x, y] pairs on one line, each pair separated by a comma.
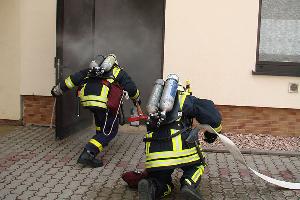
[[278, 49]]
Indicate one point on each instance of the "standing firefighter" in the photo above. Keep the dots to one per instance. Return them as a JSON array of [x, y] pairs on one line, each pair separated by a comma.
[[101, 91], [171, 109]]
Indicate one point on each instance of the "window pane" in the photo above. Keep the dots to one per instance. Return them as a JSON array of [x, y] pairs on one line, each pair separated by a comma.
[[280, 31]]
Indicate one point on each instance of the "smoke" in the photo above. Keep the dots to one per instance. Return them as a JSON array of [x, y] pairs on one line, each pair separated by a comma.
[[78, 52], [133, 30]]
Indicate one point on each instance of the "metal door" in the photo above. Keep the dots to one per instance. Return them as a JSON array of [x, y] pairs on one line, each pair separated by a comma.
[[134, 31], [75, 28]]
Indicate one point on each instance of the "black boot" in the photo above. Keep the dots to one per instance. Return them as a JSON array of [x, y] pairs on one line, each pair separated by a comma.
[[87, 158], [189, 191], [146, 189]]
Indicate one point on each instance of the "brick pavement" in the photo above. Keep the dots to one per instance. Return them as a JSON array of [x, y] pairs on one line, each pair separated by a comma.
[[33, 165]]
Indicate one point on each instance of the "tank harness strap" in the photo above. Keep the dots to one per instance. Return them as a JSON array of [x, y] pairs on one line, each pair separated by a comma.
[[165, 139]]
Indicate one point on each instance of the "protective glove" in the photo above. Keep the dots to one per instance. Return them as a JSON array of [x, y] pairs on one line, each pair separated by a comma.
[[56, 91], [210, 137]]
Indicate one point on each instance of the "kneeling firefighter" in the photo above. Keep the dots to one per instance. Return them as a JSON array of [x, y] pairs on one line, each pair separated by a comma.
[[171, 109], [100, 88]]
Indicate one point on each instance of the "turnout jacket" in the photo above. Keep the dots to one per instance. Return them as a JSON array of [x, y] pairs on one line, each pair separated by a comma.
[[166, 147], [93, 92]]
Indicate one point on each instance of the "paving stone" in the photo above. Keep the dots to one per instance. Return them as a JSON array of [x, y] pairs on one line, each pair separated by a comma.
[[87, 182], [116, 196], [39, 167], [51, 183], [81, 190], [14, 184], [73, 185], [59, 175], [218, 196], [35, 186], [27, 194], [43, 179], [66, 193], [51, 196], [35, 198], [10, 196], [80, 177], [43, 192], [90, 195], [75, 197], [24, 176], [20, 189], [52, 171], [58, 188], [5, 192]]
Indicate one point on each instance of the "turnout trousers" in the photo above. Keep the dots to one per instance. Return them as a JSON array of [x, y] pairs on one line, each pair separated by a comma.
[[163, 178], [107, 124]]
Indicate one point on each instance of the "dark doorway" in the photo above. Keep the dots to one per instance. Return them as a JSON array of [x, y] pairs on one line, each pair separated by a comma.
[[75, 27], [131, 29]]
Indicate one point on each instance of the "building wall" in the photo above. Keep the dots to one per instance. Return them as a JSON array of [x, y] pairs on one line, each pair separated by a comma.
[[10, 59], [38, 110], [258, 120], [38, 45], [213, 44], [27, 51]]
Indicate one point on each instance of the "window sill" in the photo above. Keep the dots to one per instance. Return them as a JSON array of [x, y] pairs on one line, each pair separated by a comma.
[[275, 74], [277, 69]]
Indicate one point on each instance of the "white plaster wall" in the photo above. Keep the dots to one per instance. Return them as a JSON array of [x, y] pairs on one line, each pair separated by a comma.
[[9, 60], [38, 45], [213, 44]]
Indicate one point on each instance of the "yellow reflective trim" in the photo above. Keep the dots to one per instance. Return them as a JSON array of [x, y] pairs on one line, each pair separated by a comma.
[[94, 98], [97, 144], [171, 162], [176, 141], [116, 71], [148, 143], [182, 99], [188, 181], [104, 92], [110, 80], [198, 174], [82, 91], [137, 94], [94, 103], [69, 82], [218, 129], [98, 128], [169, 190], [169, 154]]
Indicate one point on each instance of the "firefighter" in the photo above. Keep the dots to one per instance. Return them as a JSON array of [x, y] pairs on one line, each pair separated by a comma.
[[101, 88], [171, 109]]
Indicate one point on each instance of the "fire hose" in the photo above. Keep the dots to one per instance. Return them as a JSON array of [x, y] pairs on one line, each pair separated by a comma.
[[232, 148]]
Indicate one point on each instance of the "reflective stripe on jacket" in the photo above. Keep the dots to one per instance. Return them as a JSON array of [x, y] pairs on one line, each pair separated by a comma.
[[94, 93]]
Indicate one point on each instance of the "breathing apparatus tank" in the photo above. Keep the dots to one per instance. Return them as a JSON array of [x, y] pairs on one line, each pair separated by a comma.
[[108, 63], [153, 104], [101, 65], [169, 94]]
